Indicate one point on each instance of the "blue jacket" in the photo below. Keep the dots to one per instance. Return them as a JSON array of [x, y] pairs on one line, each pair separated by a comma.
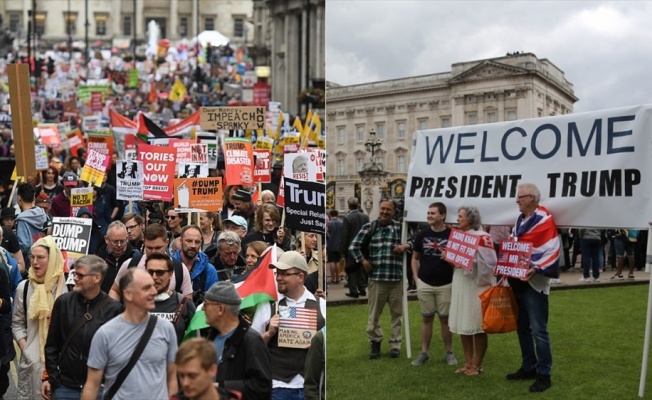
[[201, 265]]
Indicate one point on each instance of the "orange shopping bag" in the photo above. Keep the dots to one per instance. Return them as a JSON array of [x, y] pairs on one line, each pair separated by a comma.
[[499, 309]]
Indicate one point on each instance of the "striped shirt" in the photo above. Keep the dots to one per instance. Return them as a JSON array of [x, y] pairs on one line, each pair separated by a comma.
[[387, 266]]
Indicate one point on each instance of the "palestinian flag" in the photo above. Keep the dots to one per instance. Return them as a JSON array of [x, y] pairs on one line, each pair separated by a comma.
[[146, 127], [258, 284], [254, 286]]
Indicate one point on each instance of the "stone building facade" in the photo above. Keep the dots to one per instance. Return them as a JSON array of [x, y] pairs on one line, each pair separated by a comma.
[[289, 37], [516, 86], [112, 21]]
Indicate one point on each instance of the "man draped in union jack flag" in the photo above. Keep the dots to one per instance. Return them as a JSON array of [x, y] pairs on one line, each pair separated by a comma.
[[535, 225]]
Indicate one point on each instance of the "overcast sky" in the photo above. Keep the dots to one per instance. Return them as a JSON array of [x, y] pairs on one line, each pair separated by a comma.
[[604, 47]]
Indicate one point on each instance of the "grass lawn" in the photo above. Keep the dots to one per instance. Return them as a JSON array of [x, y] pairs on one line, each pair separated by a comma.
[[597, 346]]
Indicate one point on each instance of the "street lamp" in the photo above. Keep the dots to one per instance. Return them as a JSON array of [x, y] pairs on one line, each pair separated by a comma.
[[372, 145]]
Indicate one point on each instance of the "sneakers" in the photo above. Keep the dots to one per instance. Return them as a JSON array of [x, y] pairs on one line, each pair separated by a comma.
[[522, 374], [375, 350], [555, 281], [596, 280], [585, 280], [541, 384], [630, 276], [450, 358], [394, 353], [619, 277], [421, 359]]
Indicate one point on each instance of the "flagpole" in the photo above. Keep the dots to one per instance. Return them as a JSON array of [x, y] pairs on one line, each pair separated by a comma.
[[320, 281]]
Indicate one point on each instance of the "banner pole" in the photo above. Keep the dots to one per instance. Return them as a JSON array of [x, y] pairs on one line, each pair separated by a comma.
[[406, 316], [18, 180], [320, 281], [648, 318]]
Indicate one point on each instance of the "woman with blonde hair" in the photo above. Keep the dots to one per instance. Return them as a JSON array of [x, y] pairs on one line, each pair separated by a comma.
[[33, 304]]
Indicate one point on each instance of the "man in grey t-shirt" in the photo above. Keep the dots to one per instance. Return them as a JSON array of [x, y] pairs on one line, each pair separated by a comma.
[[115, 341]]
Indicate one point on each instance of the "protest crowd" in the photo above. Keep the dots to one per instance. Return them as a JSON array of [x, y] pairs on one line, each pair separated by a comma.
[[151, 254]]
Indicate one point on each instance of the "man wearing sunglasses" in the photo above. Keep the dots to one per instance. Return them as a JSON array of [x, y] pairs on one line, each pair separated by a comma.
[[168, 304], [66, 365]]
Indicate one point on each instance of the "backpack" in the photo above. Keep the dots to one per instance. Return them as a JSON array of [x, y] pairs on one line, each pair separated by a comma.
[[632, 235], [178, 271]]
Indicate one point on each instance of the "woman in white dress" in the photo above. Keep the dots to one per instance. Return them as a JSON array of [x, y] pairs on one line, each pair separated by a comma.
[[31, 320], [465, 317]]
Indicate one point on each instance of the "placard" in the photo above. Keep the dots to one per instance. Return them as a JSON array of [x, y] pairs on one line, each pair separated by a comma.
[[72, 234], [199, 193], [199, 154], [210, 140], [129, 180], [305, 205], [192, 171], [183, 147], [41, 154], [49, 135], [461, 248], [232, 118], [513, 259], [262, 166], [158, 164], [300, 166], [297, 326], [238, 161], [81, 198], [94, 170], [318, 157]]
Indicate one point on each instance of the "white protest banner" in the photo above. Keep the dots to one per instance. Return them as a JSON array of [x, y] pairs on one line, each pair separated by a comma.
[[193, 170], [72, 234], [461, 248], [513, 259], [586, 165], [300, 166], [41, 154], [129, 180]]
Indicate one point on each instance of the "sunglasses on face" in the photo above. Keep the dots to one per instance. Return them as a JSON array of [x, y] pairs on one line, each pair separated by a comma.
[[157, 272]]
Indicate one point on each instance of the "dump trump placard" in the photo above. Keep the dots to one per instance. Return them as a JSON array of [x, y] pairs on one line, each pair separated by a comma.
[[198, 193], [72, 234]]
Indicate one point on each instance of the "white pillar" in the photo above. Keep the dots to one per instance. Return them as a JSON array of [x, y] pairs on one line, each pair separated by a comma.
[[173, 31], [140, 19], [195, 12], [116, 17]]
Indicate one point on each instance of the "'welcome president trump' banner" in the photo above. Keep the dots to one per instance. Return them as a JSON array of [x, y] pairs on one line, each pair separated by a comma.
[[593, 169]]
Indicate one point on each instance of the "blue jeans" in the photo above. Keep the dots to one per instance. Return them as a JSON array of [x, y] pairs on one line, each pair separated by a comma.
[[70, 393], [287, 394], [591, 257], [533, 330]]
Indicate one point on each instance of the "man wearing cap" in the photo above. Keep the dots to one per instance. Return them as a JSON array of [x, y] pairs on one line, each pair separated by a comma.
[[30, 221], [43, 201], [228, 261], [243, 206], [291, 272], [243, 358], [236, 224], [61, 202]]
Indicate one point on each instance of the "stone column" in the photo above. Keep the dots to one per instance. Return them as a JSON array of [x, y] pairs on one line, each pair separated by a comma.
[[139, 22], [195, 13], [173, 30], [116, 18]]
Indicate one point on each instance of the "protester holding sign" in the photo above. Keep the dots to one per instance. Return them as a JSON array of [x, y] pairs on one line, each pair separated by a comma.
[[536, 225], [465, 316], [30, 221]]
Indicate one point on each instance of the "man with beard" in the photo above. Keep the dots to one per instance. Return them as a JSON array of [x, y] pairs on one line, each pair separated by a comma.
[[287, 374], [202, 273], [75, 318], [170, 305]]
